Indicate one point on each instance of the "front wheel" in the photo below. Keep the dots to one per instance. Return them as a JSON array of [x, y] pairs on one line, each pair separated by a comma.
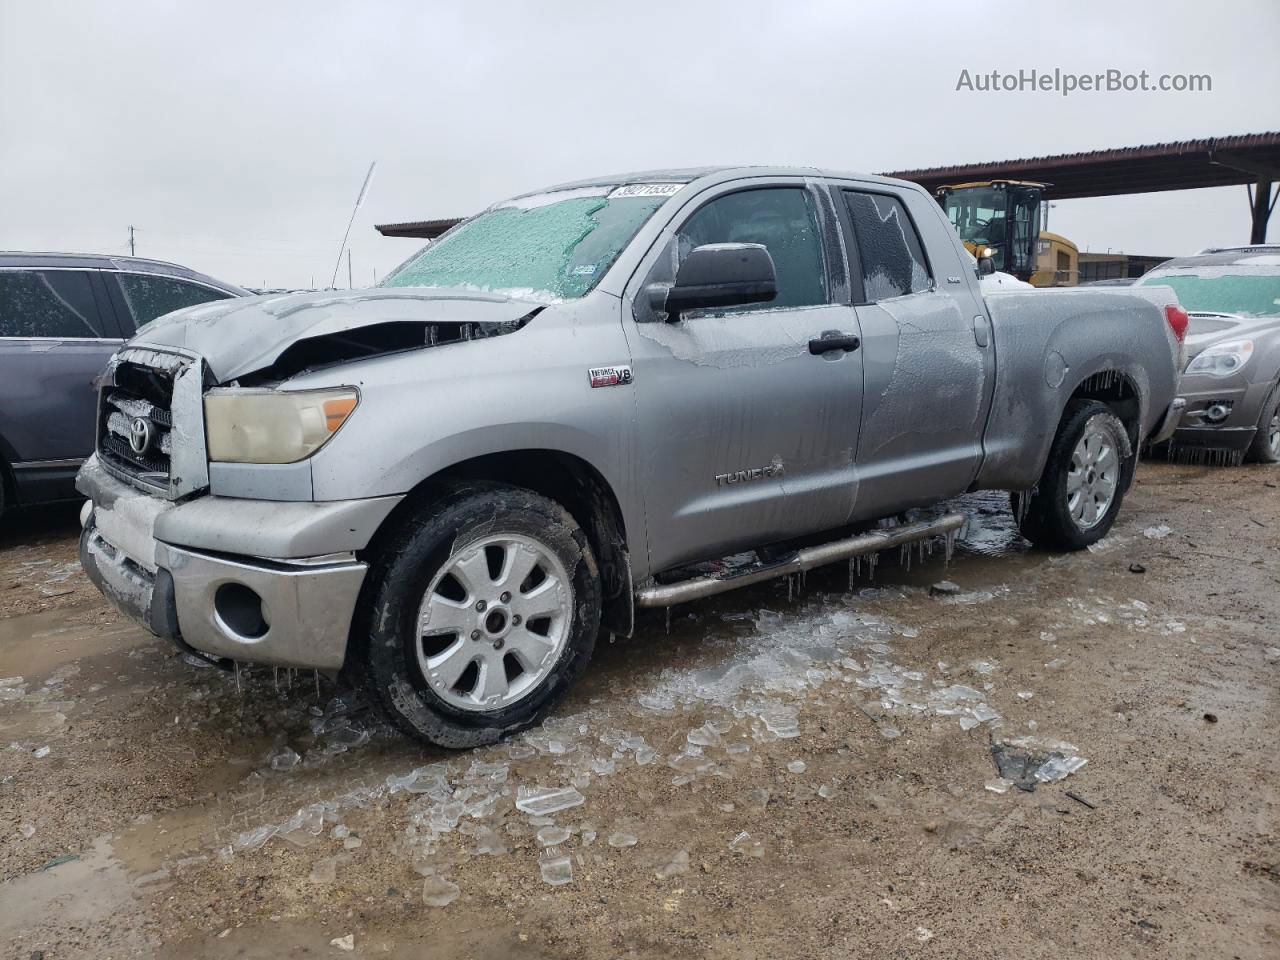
[[1266, 442], [1083, 483], [484, 608]]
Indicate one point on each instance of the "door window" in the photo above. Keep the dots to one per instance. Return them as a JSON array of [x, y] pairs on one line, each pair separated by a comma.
[[781, 218], [893, 262], [149, 296], [48, 303]]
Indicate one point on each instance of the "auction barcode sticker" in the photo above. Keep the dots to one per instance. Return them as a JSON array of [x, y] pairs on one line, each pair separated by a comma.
[[645, 190]]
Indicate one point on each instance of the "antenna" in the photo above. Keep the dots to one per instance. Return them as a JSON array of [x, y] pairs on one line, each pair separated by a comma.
[[356, 209], [131, 239]]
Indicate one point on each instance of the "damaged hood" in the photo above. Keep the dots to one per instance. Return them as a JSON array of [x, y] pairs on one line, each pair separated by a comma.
[[240, 336]]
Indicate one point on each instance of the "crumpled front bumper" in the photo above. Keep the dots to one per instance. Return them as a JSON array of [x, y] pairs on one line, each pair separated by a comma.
[[291, 611]]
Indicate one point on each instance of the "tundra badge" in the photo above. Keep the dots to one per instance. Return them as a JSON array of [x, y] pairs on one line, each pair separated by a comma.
[[774, 469], [609, 376]]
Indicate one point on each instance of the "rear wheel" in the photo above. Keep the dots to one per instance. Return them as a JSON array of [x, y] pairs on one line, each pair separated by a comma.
[[485, 607], [1084, 480], [1266, 442]]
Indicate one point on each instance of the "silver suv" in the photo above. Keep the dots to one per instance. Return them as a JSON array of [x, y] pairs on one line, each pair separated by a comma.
[[445, 486]]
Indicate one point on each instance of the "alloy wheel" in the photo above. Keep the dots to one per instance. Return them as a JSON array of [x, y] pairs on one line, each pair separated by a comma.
[[494, 622]]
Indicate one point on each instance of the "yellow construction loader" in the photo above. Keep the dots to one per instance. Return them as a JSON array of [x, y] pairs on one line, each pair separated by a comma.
[[1002, 216]]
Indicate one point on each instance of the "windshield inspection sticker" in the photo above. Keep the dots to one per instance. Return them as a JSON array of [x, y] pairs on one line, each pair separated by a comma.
[[645, 190], [609, 376]]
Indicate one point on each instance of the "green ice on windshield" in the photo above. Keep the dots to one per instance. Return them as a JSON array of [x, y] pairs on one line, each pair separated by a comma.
[[539, 247], [1218, 291]]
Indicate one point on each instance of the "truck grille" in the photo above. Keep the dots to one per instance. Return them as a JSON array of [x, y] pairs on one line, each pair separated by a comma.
[[135, 432]]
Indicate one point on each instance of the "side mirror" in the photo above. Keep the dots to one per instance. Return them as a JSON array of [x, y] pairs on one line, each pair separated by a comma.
[[986, 262], [718, 275]]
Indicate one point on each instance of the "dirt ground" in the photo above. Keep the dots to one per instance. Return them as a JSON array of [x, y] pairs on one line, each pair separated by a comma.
[[792, 771]]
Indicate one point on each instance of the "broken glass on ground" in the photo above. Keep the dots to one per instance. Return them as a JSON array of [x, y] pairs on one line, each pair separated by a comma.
[[782, 721], [746, 845], [489, 843], [553, 836], [541, 801], [1058, 766], [326, 869], [344, 737], [1026, 761], [703, 736], [556, 871], [285, 759], [438, 892]]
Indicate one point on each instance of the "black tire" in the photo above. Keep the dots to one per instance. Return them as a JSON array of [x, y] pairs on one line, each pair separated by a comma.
[[5, 501], [384, 654], [1263, 450], [1046, 519]]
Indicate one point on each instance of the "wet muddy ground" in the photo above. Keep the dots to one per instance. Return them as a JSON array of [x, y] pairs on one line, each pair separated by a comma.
[[783, 773]]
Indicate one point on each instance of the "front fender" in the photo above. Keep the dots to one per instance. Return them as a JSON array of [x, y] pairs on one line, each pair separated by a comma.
[[425, 411]]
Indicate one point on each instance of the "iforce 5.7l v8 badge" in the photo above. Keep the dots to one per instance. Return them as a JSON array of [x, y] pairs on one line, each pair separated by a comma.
[[609, 376]]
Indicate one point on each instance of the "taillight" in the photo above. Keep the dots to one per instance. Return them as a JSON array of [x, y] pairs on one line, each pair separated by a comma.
[[1178, 320]]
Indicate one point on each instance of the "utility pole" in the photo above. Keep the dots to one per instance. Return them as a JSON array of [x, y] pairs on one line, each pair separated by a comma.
[[131, 239], [349, 284]]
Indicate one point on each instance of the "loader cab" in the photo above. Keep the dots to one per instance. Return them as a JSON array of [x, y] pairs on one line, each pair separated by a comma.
[[1003, 215]]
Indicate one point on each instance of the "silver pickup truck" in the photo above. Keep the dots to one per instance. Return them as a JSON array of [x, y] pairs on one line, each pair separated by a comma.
[[446, 486]]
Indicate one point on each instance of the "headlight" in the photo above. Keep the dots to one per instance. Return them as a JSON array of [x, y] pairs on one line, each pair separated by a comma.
[[273, 426], [1222, 359]]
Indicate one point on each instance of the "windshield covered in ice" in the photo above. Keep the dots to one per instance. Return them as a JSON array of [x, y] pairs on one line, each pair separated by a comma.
[[551, 246], [1249, 291]]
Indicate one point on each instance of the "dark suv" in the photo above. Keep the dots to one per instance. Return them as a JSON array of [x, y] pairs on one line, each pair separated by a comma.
[[61, 316]]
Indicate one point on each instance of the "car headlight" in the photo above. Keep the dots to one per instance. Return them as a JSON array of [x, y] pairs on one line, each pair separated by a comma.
[[1222, 359], [273, 426]]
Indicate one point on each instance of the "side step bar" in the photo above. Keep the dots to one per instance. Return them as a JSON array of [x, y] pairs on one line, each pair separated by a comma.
[[669, 594]]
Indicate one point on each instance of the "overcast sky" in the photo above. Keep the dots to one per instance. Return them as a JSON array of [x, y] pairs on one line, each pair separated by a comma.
[[234, 135]]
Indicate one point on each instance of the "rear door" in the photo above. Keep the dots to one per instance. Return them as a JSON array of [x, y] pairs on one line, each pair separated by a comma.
[[927, 353], [56, 335], [746, 436], [141, 297]]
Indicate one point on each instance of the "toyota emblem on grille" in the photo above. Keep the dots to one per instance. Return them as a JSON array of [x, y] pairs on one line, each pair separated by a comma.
[[140, 435]]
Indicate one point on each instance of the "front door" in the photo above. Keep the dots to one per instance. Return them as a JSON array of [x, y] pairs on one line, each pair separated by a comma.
[[746, 436]]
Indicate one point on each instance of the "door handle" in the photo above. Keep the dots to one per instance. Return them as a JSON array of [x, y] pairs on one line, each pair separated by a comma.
[[845, 342]]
